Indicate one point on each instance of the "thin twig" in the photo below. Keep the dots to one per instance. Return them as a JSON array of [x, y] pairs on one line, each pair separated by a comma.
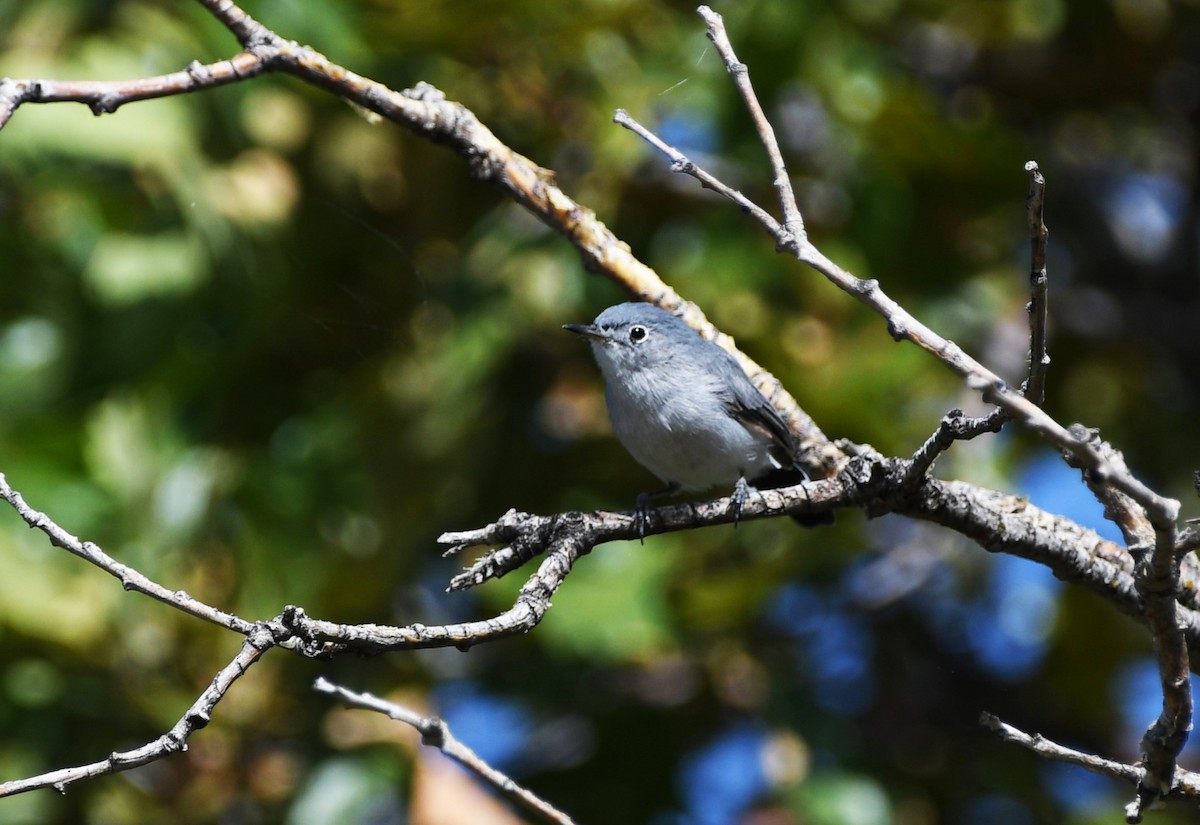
[[1060, 753], [1039, 360], [680, 163], [173, 741], [527, 612], [436, 734], [954, 426], [106, 96], [130, 578], [792, 219], [245, 28], [1185, 784]]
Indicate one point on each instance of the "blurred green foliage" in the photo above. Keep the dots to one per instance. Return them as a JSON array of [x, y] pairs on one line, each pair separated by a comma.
[[265, 352]]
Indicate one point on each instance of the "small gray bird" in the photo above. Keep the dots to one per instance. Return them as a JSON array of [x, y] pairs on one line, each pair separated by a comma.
[[685, 410]]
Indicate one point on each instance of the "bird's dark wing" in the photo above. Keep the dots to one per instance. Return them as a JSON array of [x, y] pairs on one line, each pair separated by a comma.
[[751, 408]]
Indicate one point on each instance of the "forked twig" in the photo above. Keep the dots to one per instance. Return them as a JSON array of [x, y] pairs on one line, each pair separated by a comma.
[[793, 221], [173, 741], [954, 426]]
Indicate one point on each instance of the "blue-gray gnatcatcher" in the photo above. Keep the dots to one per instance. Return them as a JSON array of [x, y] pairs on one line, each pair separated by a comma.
[[685, 410]]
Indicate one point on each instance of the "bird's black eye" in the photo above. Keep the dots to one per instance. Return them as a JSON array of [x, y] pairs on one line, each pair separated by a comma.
[[637, 334]]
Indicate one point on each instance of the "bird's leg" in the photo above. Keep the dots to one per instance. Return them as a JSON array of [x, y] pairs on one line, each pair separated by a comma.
[[639, 515], [642, 510], [741, 494]]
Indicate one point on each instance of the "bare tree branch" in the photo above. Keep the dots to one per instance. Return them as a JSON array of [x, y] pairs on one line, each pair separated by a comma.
[[1157, 574], [523, 535], [436, 734], [999, 522], [1158, 581]]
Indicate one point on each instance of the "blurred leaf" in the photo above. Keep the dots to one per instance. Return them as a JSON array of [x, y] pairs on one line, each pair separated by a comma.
[[836, 798]]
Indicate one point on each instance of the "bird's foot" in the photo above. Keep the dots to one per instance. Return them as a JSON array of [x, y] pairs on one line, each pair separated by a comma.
[[741, 494], [640, 512]]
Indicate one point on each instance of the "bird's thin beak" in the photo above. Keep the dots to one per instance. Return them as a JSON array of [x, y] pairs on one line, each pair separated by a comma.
[[587, 331]]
